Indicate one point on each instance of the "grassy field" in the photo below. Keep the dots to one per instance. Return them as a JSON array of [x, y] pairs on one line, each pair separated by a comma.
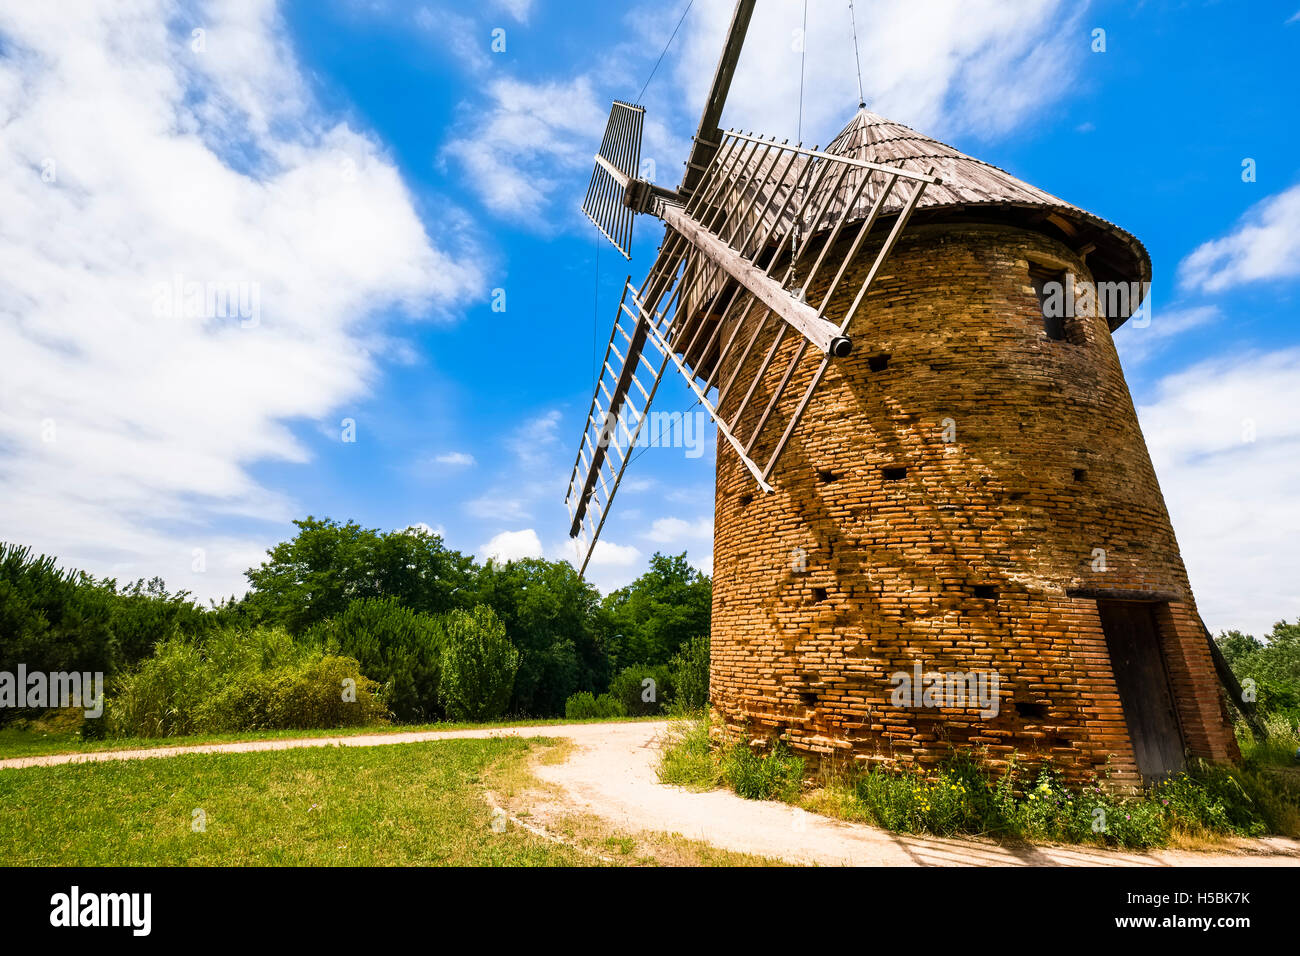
[[38, 741], [423, 804], [406, 804]]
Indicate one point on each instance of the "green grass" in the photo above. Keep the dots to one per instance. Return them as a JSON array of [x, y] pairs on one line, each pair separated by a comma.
[[404, 804], [36, 741]]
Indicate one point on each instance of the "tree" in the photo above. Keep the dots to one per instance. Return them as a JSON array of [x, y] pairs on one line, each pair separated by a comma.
[[329, 565], [479, 665], [656, 614], [555, 619], [1273, 664], [51, 619], [398, 647]]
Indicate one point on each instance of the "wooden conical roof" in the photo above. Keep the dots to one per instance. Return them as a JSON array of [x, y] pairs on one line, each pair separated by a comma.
[[973, 190]]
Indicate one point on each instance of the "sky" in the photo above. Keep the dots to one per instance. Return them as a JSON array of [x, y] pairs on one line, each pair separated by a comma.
[[266, 260]]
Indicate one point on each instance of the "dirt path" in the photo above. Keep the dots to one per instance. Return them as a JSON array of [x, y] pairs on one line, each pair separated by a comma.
[[611, 774]]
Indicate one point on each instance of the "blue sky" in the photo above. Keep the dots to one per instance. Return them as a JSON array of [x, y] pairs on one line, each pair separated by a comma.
[[375, 170]]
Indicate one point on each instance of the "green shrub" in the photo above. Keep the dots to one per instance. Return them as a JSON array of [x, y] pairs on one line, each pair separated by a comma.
[[328, 692], [639, 698], [585, 706], [398, 647], [690, 675], [236, 680], [479, 665]]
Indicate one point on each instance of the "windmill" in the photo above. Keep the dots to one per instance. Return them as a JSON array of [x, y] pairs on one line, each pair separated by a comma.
[[750, 233], [924, 466]]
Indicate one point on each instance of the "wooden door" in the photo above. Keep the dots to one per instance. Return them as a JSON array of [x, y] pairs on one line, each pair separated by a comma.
[[1133, 641]]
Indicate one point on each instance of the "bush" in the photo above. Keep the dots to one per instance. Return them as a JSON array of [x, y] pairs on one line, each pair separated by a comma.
[[398, 647], [584, 706], [479, 665], [638, 698], [690, 675], [328, 692], [237, 680]]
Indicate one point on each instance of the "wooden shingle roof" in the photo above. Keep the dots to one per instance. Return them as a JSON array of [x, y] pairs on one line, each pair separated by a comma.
[[970, 190], [973, 190]]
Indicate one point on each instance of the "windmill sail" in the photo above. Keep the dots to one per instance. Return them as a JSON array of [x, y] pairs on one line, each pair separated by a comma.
[[616, 163], [765, 250]]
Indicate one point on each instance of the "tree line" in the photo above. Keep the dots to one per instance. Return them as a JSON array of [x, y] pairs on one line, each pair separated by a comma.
[[422, 632]]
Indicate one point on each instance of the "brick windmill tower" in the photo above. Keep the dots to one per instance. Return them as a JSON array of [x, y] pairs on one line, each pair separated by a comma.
[[930, 473]]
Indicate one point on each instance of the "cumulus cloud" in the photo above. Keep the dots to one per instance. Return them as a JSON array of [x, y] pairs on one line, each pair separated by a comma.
[[196, 257], [528, 141], [1265, 244], [1225, 442], [982, 66], [1137, 343], [512, 546], [943, 66]]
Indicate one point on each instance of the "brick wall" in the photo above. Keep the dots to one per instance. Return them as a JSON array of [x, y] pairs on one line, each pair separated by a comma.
[[981, 556]]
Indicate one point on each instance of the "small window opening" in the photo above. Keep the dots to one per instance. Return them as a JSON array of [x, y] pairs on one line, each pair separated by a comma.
[[986, 591], [826, 477], [1051, 288], [1029, 708], [878, 363], [745, 499], [894, 474], [819, 594], [1080, 474]]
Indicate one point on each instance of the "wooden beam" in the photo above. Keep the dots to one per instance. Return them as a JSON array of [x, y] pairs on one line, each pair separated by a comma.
[[707, 137], [823, 334]]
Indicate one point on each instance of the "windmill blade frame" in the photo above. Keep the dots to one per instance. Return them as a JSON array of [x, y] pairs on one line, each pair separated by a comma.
[[619, 159], [759, 211]]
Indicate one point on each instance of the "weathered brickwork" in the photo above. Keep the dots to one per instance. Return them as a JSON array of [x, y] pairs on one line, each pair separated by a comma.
[[1027, 490]]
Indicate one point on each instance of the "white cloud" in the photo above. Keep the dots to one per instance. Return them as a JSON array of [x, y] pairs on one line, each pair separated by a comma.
[[519, 9], [497, 507], [512, 546], [943, 66], [528, 141], [1264, 245], [1233, 499], [980, 66], [675, 531], [458, 459], [458, 34], [1138, 343], [440, 531], [126, 428], [534, 441]]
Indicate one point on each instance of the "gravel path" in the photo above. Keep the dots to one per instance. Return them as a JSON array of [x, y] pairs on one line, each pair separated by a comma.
[[611, 774]]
